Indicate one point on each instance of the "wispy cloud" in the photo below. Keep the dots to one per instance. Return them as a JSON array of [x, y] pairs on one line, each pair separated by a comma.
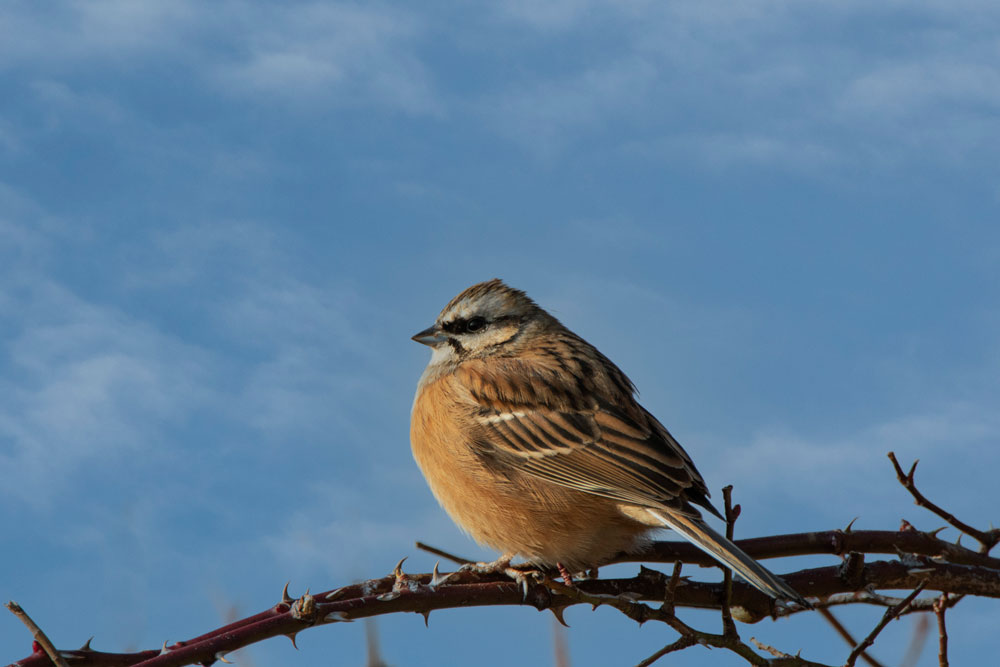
[[850, 473], [339, 530], [309, 53], [113, 31], [90, 383], [739, 149], [764, 83], [341, 54], [546, 115], [755, 84], [86, 386]]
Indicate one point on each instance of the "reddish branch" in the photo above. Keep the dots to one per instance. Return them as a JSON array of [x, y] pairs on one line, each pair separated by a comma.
[[835, 542], [413, 593], [921, 560]]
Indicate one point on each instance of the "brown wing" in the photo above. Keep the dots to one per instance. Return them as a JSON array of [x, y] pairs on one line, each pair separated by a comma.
[[622, 453]]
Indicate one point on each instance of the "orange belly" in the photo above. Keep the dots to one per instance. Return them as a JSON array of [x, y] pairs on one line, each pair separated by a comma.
[[510, 511]]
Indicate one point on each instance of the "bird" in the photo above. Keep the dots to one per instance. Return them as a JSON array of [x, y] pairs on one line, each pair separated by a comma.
[[534, 443]]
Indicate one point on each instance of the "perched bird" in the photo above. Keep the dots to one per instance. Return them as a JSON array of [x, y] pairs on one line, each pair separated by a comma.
[[534, 443]]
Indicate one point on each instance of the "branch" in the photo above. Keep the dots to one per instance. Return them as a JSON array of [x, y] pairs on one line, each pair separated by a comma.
[[987, 540], [43, 641], [732, 513], [424, 593], [835, 542], [940, 607], [921, 561], [846, 634], [680, 644], [890, 614]]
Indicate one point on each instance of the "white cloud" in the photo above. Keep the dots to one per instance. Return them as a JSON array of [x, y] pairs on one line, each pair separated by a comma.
[[748, 84], [545, 115], [850, 472], [763, 83], [109, 30], [314, 53], [343, 54], [739, 149], [84, 385], [93, 385], [56, 96], [312, 350], [341, 530], [553, 15], [909, 88]]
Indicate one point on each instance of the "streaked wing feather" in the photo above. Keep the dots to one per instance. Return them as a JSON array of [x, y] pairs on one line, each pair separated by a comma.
[[600, 451]]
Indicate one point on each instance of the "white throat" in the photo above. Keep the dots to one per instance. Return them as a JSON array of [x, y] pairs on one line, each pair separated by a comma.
[[443, 361]]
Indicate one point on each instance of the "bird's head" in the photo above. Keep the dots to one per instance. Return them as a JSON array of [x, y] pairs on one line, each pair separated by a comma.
[[483, 320]]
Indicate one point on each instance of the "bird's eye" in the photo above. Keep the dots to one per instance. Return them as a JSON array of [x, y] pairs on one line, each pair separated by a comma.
[[475, 324]]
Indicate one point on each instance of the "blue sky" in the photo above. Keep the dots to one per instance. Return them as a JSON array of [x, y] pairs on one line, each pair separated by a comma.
[[221, 222]]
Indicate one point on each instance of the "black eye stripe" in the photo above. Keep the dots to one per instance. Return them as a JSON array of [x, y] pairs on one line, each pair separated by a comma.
[[474, 324]]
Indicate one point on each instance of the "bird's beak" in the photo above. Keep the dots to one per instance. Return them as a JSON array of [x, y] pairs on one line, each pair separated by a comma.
[[430, 336]]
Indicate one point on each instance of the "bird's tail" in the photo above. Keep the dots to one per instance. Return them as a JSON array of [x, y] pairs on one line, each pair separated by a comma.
[[721, 549]]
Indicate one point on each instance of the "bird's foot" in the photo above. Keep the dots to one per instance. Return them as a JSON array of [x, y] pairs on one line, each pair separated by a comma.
[[498, 566], [523, 575], [567, 577]]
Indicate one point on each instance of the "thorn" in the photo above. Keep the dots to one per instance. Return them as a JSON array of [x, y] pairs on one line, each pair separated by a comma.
[[437, 578], [86, 645], [222, 656], [284, 594], [909, 475], [851, 524], [934, 533], [558, 613], [386, 597], [427, 617], [333, 595], [164, 650], [905, 526], [337, 617], [958, 542], [291, 636], [398, 570]]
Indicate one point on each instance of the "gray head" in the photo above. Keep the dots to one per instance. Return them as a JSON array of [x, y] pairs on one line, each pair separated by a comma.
[[483, 320]]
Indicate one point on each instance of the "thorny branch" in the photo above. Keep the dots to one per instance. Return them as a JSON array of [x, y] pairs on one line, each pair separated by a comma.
[[921, 561], [846, 634], [987, 539], [890, 614], [940, 607], [41, 639], [732, 513]]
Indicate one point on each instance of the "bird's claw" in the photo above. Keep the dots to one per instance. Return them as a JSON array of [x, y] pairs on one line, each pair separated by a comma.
[[523, 576], [524, 579], [497, 566]]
